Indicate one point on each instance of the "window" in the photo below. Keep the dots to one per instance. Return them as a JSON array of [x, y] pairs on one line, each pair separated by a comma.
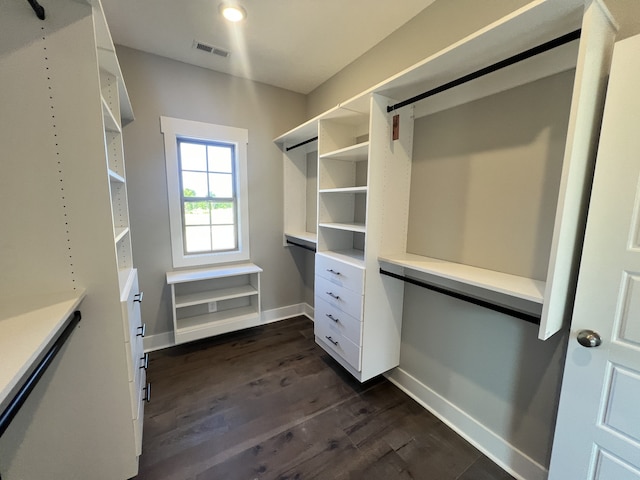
[[207, 192]]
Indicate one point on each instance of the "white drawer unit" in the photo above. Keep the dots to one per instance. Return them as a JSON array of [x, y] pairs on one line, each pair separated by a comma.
[[134, 348], [339, 297], [333, 341], [340, 273], [338, 320], [143, 395]]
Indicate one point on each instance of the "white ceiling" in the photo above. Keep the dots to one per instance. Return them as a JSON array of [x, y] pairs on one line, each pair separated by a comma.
[[293, 44]]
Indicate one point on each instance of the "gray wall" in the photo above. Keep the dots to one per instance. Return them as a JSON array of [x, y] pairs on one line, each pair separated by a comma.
[[159, 86], [484, 185], [485, 178], [437, 26], [490, 366]]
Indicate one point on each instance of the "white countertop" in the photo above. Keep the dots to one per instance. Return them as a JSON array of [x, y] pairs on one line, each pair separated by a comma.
[[28, 326]]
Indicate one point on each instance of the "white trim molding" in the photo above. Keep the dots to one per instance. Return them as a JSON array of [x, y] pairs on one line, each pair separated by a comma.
[[507, 456], [175, 128]]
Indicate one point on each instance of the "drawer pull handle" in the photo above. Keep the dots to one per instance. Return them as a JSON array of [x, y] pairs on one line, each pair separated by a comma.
[[333, 295], [147, 393], [331, 340], [138, 297], [145, 361], [142, 329], [332, 317], [331, 270]]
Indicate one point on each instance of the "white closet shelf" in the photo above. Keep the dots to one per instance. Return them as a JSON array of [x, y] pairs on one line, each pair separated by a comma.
[[125, 277], [200, 326], [344, 190], [120, 233], [215, 296], [353, 153], [349, 227], [182, 276], [116, 177], [352, 257], [27, 327], [302, 133], [110, 122], [511, 285], [309, 237]]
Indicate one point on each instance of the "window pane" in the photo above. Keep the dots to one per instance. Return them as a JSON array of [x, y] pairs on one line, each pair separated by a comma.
[[194, 184], [196, 213], [198, 239], [223, 237], [193, 156], [221, 185], [220, 158], [223, 213]]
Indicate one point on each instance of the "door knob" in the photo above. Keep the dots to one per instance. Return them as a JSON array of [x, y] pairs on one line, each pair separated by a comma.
[[589, 338]]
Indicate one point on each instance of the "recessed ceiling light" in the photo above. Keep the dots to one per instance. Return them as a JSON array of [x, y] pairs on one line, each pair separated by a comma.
[[233, 13]]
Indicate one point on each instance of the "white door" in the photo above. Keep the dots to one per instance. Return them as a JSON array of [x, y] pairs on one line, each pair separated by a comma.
[[598, 428]]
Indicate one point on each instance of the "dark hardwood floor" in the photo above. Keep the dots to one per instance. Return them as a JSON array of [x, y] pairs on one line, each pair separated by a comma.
[[268, 403]]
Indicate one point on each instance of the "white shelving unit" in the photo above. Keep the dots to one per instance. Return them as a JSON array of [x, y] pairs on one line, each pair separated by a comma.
[[69, 237], [364, 177], [590, 57], [300, 165], [215, 300]]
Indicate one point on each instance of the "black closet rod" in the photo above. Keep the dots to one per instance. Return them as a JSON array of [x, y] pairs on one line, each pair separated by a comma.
[[39, 9], [301, 143], [556, 42], [295, 244], [20, 397], [527, 317]]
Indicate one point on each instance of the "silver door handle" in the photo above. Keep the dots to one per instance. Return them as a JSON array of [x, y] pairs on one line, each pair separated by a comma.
[[589, 338]]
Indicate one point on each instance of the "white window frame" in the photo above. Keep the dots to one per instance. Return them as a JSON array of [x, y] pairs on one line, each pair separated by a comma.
[[175, 128]]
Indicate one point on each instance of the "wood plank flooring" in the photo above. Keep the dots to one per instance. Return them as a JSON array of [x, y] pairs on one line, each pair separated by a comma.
[[268, 403]]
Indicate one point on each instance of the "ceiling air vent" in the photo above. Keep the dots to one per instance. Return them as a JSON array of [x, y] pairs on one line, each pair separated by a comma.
[[210, 49]]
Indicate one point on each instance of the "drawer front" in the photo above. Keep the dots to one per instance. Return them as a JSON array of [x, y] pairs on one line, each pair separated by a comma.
[[339, 297], [335, 342], [131, 311], [339, 321], [138, 418], [134, 351], [340, 273], [137, 428]]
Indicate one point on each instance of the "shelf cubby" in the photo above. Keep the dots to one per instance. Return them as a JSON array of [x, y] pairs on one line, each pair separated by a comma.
[[210, 301]]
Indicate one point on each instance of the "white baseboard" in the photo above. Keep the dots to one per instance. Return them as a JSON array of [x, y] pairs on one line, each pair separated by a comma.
[[165, 339], [512, 460]]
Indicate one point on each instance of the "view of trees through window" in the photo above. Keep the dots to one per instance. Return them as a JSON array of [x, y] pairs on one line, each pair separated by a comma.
[[208, 196]]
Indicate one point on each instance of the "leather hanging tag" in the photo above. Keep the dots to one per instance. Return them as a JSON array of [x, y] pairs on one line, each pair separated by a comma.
[[395, 133]]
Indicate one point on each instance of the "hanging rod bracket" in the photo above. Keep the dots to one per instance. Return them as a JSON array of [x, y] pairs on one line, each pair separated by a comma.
[[39, 9]]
